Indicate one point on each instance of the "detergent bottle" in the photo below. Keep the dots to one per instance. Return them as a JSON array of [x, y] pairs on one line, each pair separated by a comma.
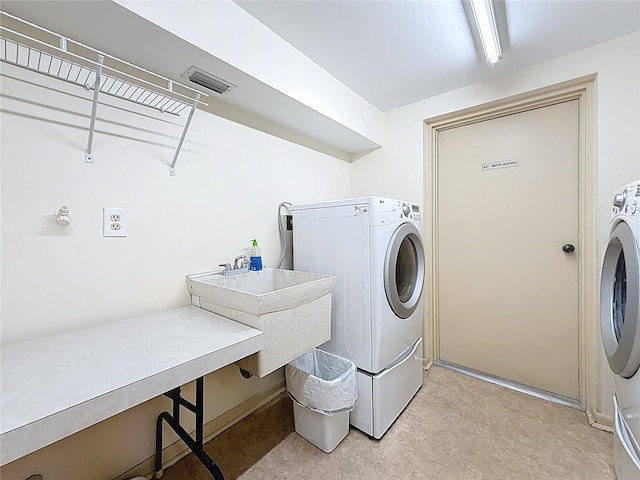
[[255, 260]]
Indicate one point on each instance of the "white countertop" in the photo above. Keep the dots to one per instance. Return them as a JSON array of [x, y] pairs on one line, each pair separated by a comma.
[[54, 386]]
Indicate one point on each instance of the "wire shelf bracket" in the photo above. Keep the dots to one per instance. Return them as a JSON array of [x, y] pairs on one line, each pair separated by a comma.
[[172, 168], [97, 71], [88, 156]]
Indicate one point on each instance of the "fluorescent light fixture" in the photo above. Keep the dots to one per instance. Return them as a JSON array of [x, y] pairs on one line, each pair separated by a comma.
[[486, 23]]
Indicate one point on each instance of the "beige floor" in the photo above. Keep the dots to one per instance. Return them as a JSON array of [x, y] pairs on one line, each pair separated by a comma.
[[456, 428]]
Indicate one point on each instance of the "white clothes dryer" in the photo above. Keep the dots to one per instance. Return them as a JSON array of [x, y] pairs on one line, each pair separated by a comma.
[[374, 248], [620, 326]]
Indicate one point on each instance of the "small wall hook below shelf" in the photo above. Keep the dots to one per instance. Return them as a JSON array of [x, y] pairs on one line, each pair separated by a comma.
[[62, 216]]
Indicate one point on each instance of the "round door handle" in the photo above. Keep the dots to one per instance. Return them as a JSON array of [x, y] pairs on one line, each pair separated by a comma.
[[568, 248]]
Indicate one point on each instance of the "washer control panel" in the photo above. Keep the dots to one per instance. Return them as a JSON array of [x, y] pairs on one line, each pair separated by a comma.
[[384, 211], [411, 211], [627, 200]]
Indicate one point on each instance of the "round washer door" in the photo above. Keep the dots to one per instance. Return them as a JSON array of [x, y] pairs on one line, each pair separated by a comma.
[[619, 297], [404, 270]]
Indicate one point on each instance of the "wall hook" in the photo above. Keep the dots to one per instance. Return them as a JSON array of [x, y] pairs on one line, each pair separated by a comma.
[[62, 216]]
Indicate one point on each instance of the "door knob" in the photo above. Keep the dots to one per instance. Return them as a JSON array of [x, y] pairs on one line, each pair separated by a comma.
[[568, 248]]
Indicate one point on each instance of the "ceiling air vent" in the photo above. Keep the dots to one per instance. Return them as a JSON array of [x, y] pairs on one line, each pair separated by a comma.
[[208, 81]]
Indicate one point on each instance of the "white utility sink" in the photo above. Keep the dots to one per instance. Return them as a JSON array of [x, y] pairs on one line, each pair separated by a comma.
[[293, 309]]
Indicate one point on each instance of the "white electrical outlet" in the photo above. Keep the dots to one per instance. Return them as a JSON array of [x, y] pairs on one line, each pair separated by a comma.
[[114, 222]]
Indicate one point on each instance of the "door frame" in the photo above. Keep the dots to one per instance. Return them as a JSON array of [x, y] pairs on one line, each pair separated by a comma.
[[583, 90]]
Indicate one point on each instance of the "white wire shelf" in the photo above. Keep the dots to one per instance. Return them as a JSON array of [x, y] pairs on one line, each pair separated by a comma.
[[41, 62], [90, 68]]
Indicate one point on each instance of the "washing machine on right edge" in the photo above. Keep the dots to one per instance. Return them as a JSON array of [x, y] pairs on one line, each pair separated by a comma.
[[620, 326]]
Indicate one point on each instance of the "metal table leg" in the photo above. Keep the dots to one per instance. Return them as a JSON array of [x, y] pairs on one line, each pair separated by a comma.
[[173, 420]]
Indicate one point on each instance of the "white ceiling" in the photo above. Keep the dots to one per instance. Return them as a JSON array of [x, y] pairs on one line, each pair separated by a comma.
[[393, 53]]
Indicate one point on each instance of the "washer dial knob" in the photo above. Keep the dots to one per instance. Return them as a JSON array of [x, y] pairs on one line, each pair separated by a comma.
[[620, 199]]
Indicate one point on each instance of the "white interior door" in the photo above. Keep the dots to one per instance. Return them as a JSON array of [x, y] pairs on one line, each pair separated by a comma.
[[507, 204]]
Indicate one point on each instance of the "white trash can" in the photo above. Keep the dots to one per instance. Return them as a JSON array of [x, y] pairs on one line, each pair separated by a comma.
[[324, 390]]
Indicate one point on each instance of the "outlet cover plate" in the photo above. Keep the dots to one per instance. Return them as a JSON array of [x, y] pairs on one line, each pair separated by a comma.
[[114, 222]]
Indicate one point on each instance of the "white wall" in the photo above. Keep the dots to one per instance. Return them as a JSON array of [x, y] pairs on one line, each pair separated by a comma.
[[397, 169], [229, 182]]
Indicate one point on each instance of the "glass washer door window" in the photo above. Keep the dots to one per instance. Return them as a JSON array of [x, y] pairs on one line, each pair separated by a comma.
[[619, 301], [404, 270]]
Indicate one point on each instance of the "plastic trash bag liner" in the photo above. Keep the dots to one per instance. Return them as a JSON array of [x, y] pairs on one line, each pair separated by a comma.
[[322, 382]]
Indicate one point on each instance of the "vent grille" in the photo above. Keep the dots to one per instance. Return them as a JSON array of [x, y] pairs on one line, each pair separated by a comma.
[[208, 81]]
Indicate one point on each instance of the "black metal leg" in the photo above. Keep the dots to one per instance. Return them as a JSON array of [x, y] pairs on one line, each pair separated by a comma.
[[196, 446]]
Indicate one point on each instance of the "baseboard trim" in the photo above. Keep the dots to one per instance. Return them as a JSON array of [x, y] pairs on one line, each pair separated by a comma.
[[426, 363], [177, 450], [599, 420]]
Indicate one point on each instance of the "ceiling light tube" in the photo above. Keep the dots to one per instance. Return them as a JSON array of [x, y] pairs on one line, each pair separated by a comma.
[[486, 23]]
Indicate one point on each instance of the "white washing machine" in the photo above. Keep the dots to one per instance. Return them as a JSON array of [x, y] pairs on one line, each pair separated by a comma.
[[620, 326], [374, 248]]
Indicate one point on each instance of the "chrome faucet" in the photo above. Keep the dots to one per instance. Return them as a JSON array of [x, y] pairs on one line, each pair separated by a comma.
[[244, 262], [240, 265]]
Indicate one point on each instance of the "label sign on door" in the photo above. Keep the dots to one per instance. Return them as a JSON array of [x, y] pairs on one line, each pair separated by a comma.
[[504, 164]]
